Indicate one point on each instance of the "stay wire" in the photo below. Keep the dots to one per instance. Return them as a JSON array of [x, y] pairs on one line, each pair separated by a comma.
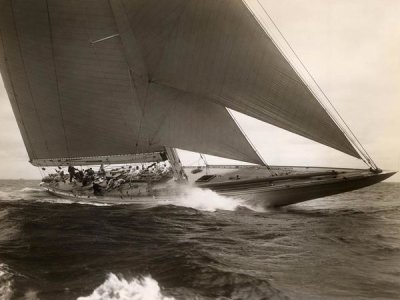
[[353, 137]]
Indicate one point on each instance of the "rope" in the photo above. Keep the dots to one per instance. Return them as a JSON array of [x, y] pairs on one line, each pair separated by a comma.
[[204, 159], [41, 172]]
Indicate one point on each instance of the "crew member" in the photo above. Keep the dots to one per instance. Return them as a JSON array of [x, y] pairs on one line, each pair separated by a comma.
[[71, 171]]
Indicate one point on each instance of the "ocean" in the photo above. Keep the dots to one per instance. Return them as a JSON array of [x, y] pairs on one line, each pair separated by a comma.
[[203, 246]]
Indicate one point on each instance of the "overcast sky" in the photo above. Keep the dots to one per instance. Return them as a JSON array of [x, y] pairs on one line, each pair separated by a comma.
[[352, 48]]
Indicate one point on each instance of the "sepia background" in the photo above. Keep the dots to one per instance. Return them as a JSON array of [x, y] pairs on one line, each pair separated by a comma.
[[352, 48]]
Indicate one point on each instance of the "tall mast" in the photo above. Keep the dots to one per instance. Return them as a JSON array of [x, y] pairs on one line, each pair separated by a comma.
[[177, 168]]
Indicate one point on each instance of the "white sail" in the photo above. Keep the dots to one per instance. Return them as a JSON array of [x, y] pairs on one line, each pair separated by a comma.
[[217, 49], [78, 93], [125, 77]]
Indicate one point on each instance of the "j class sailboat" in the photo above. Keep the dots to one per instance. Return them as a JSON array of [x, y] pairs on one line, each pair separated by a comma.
[[118, 81]]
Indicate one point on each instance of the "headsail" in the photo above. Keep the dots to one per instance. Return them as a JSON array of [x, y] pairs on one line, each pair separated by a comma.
[[218, 49]]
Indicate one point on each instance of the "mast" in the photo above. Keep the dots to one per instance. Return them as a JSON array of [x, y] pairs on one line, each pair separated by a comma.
[[177, 168]]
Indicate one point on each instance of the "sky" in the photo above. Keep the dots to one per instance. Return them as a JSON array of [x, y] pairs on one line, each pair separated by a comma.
[[352, 49]]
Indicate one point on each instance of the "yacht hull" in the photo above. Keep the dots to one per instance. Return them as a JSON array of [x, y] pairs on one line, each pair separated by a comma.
[[291, 193], [280, 187]]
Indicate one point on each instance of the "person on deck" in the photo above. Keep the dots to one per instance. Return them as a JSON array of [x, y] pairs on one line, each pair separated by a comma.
[[62, 176], [71, 171], [101, 172], [80, 176]]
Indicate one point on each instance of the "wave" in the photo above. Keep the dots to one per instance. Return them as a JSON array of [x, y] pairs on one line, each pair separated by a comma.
[[145, 288], [22, 194], [32, 190], [4, 195], [6, 282], [207, 200]]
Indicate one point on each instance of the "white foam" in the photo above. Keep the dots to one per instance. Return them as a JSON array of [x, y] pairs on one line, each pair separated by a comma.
[[32, 190], [115, 287], [207, 200], [67, 201], [6, 290]]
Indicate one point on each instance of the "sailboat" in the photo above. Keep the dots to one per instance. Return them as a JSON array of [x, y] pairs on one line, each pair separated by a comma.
[[121, 82]]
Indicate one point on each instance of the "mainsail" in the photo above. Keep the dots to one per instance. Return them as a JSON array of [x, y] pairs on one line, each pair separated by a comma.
[[77, 98], [119, 78]]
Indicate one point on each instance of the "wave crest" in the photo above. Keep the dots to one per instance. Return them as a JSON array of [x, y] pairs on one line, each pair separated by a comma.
[[207, 200], [115, 287], [6, 282], [67, 201], [32, 190]]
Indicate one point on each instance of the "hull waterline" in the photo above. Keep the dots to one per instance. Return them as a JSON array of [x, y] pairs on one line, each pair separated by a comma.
[[295, 193], [249, 183]]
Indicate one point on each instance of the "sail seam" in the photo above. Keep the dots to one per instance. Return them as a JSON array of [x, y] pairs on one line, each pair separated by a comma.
[[28, 78], [222, 102], [170, 33], [123, 52], [15, 97], [56, 77]]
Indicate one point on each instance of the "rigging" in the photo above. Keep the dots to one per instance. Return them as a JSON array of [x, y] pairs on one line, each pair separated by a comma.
[[365, 157]]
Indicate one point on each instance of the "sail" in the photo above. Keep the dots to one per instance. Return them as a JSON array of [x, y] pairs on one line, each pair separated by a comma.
[[80, 92], [218, 49], [118, 77], [170, 114]]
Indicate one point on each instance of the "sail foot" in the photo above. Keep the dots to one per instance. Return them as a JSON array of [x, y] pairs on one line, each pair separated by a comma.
[[98, 160]]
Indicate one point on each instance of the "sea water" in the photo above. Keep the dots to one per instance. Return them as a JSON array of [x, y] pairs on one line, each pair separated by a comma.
[[200, 246]]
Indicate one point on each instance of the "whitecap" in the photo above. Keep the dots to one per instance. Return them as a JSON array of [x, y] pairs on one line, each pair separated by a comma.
[[67, 201], [115, 287], [6, 282], [32, 190], [207, 200]]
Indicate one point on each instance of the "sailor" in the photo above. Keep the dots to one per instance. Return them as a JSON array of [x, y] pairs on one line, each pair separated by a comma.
[[110, 184], [159, 168], [85, 180], [62, 176], [90, 172], [97, 190], [101, 171], [80, 176], [71, 171], [118, 182], [131, 170], [134, 171]]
